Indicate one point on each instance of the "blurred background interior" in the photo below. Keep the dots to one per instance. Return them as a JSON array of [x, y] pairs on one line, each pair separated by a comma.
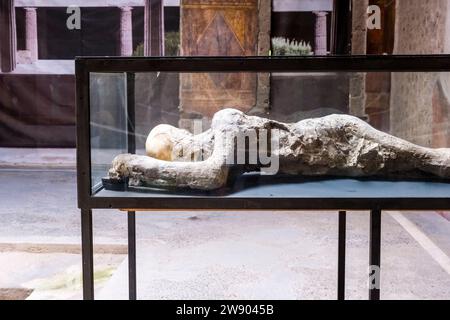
[[210, 255], [40, 39]]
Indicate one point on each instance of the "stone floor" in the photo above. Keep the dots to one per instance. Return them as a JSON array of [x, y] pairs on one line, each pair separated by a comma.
[[247, 255], [280, 255], [16, 158], [38, 276]]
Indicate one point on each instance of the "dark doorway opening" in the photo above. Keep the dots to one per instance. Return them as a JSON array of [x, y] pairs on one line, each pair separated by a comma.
[[299, 26]]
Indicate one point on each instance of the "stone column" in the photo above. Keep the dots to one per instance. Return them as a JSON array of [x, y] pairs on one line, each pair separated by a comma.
[[359, 46], [31, 34], [321, 33], [154, 28], [359, 26], [8, 46], [264, 27], [126, 31]]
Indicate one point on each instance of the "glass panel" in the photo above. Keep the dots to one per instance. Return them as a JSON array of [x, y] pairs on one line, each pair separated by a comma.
[[408, 105], [108, 112]]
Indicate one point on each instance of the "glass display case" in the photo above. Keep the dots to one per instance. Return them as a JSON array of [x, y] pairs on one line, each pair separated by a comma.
[[125, 99], [262, 133]]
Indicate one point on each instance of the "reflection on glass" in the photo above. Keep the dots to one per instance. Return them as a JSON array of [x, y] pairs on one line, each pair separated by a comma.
[[108, 122], [407, 105]]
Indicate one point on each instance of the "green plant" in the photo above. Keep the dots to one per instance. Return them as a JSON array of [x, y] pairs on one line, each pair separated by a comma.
[[171, 45], [139, 51], [285, 47]]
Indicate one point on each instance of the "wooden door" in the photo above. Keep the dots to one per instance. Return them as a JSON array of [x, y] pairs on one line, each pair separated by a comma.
[[218, 28]]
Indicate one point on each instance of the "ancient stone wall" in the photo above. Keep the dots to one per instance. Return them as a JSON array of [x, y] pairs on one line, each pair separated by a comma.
[[264, 27], [378, 84], [359, 46], [421, 28]]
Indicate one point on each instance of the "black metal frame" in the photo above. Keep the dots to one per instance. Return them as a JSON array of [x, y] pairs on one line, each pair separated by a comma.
[[87, 202]]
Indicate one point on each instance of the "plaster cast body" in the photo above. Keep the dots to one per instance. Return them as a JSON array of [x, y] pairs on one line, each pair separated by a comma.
[[338, 145]]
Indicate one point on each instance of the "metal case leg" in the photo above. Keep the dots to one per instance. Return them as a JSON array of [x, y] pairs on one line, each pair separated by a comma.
[[131, 141], [132, 254], [375, 253], [87, 249], [341, 255]]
